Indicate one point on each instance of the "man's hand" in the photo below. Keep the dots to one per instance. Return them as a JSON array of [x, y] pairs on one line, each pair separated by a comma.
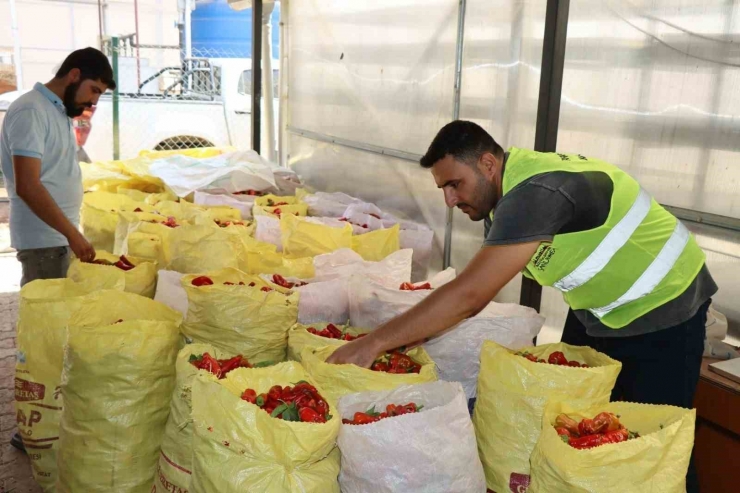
[[82, 248], [361, 352]]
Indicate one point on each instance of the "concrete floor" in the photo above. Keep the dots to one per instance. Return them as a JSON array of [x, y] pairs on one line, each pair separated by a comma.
[[15, 469]]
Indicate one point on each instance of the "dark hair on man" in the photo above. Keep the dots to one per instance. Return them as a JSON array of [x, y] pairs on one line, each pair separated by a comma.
[[92, 63], [464, 141]]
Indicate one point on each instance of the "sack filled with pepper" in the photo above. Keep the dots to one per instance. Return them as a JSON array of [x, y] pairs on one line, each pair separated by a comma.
[[108, 271], [389, 371], [119, 373], [613, 448], [175, 458], [264, 430], [319, 335], [391, 441], [513, 389], [239, 313]]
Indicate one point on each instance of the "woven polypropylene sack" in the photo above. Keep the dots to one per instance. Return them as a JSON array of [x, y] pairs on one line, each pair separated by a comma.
[[377, 245], [239, 318], [656, 462], [299, 338], [340, 380], [119, 374], [43, 314], [239, 448], [203, 248], [301, 238], [142, 279], [402, 453], [512, 394], [99, 216]]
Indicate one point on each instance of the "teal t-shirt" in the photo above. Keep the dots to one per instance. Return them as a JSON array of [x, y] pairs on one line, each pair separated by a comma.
[[36, 125]]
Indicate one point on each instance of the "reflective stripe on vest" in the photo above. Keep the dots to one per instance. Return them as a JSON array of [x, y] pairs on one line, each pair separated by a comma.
[[655, 273], [609, 246]]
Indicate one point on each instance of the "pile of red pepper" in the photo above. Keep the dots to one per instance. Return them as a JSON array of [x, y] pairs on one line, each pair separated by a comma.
[[332, 332], [556, 358], [219, 367], [254, 193], [371, 415], [344, 219], [396, 362], [604, 428], [170, 222], [123, 263], [272, 203], [282, 282], [302, 402], [407, 286], [207, 281]]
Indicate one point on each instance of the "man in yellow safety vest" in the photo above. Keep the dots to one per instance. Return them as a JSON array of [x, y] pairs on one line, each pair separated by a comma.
[[634, 277]]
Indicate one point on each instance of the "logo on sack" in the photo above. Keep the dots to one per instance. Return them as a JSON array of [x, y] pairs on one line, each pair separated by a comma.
[[542, 257], [518, 483], [28, 391], [20, 357]]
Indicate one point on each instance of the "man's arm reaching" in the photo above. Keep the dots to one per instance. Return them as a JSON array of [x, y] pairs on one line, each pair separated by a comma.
[[28, 186], [489, 271]]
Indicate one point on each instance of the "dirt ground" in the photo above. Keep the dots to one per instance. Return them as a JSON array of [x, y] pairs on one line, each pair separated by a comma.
[[15, 470]]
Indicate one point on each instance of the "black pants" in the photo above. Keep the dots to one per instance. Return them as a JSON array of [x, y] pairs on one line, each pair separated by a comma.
[[657, 368]]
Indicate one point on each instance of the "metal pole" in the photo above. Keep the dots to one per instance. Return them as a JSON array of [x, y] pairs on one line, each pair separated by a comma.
[[256, 73], [447, 260], [548, 106], [116, 128], [100, 23], [16, 47], [138, 54], [188, 25], [283, 89], [268, 88]]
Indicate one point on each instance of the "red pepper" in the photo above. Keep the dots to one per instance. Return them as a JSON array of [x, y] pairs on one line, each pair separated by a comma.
[[584, 442], [266, 289], [309, 415], [557, 358], [249, 395], [407, 286], [563, 431], [615, 436], [564, 421], [275, 392], [202, 281], [607, 422]]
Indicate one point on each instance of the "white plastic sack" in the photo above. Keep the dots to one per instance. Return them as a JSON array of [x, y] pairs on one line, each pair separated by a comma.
[[420, 240], [456, 351], [432, 451], [286, 181], [268, 230], [324, 204], [170, 291], [324, 301], [231, 172], [244, 206], [392, 271]]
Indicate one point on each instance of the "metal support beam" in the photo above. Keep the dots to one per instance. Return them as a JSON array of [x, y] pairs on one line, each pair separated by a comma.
[[447, 259], [256, 73], [360, 146], [548, 107], [116, 122]]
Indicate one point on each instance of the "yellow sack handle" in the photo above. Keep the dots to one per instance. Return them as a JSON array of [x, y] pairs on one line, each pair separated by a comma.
[[656, 462], [340, 380], [271, 455], [301, 238], [142, 279], [299, 338], [270, 262], [377, 245]]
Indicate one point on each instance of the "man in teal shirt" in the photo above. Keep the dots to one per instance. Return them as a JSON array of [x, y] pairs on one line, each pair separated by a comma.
[[38, 153]]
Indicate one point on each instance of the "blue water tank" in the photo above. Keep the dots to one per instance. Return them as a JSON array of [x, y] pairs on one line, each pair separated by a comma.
[[218, 31]]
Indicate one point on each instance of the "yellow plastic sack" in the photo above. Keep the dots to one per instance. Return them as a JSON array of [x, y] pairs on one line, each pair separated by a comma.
[[197, 152], [654, 463], [512, 394], [339, 380], [99, 216], [202, 248], [239, 448], [294, 206], [240, 319], [142, 279], [147, 246], [377, 245], [102, 176], [299, 338], [191, 212], [117, 383], [147, 198], [270, 262], [138, 168], [175, 458], [144, 223], [45, 308], [301, 238]]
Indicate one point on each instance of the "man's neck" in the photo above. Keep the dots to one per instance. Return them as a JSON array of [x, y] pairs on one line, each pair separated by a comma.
[[57, 87]]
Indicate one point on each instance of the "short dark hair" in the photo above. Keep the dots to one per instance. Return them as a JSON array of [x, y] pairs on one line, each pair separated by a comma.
[[463, 140], [92, 63]]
